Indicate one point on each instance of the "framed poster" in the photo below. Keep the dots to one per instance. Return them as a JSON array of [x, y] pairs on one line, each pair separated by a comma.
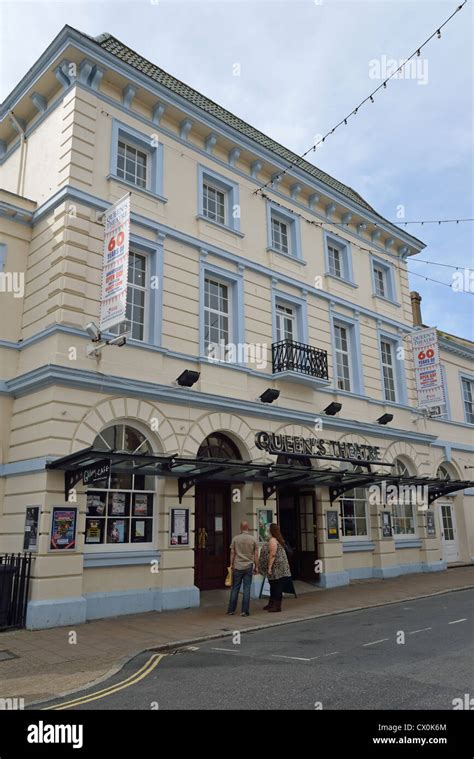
[[430, 523], [30, 540], [63, 529], [116, 530], [179, 527], [265, 519], [332, 524], [386, 524], [94, 528]]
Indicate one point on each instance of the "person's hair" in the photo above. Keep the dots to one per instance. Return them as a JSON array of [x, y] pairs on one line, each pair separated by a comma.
[[275, 533]]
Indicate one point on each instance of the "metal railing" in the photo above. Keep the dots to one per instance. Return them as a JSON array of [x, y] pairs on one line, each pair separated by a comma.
[[289, 355], [15, 571]]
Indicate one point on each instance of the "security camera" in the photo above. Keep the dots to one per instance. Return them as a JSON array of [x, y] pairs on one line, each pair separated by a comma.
[[93, 331], [119, 340]]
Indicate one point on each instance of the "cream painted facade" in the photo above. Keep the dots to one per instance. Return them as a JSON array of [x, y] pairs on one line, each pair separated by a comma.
[[58, 173]]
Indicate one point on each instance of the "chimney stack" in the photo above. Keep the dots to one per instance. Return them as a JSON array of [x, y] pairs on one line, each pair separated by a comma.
[[416, 308]]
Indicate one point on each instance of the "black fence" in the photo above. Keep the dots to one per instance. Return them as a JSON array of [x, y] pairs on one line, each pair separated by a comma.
[[15, 570], [289, 355]]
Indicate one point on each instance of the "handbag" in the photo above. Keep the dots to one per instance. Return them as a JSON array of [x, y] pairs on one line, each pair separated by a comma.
[[228, 579], [263, 561]]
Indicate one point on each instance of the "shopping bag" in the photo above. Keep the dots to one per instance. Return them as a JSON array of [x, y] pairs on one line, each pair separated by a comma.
[[228, 579]]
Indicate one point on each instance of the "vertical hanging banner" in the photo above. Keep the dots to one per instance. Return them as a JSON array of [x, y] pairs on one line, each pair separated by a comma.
[[428, 376], [113, 300]]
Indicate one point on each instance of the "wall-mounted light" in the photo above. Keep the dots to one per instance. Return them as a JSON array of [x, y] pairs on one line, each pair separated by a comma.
[[332, 409], [269, 395], [385, 419], [188, 378]]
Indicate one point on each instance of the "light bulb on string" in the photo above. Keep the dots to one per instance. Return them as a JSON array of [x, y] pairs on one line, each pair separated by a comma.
[[439, 33]]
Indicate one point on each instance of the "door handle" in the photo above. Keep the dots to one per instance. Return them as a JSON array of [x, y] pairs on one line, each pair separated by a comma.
[[202, 537]]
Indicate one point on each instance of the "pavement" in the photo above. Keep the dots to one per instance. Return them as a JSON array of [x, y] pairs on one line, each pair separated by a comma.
[[49, 664]]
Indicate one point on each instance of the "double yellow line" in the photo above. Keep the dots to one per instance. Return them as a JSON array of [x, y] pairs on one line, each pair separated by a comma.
[[148, 667]]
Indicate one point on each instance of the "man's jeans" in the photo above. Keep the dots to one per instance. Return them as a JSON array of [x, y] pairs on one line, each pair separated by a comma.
[[239, 575]]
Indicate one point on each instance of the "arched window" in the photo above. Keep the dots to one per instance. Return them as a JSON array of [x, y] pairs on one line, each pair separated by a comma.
[[443, 473], [120, 508], [403, 509], [354, 517], [400, 469], [302, 462], [219, 446]]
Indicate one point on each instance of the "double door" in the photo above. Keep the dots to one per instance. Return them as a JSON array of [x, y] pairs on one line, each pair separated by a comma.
[[297, 520]]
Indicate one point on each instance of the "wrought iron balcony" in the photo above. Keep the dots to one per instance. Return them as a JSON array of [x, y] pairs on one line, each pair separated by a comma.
[[290, 356]]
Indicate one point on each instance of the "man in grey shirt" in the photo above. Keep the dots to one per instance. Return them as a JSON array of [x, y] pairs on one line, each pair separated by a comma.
[[244, 561]]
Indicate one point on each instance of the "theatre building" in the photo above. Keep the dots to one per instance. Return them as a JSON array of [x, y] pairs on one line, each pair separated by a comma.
[[268, 375]]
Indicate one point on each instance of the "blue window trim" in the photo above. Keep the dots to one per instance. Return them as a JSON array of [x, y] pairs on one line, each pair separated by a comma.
[[3, 256], [346, 250], [357, 373], [301, 307], [469, 378], [232, 192], [154, 311], [275, 211], [398, 365], [389, 270], [141, 141], [236, 282]]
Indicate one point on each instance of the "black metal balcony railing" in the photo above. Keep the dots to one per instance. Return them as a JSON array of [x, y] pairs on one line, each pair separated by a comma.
[[288, 355]]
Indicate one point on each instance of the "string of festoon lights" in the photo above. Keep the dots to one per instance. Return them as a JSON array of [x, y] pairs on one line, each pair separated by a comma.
[[369, 98], [322, 224], [431, 221]]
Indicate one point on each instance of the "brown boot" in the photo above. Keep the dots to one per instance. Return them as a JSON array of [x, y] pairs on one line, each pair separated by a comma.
[[276, 606], [269, 605]]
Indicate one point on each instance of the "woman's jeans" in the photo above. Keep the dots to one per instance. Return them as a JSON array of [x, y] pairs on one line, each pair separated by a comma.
[[276, 588], [239, 576]]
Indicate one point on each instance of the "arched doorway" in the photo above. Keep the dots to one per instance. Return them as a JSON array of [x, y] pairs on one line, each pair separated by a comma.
[[213, 516], [447, 521]]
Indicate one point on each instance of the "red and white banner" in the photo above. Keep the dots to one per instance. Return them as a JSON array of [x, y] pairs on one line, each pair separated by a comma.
[[428, 376], [113, 300]]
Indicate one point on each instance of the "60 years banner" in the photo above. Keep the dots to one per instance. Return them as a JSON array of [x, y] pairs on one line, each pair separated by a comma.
[[428, 376], [113, 302]]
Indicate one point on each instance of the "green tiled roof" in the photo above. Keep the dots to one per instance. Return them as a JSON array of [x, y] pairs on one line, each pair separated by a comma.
[[119, 50]]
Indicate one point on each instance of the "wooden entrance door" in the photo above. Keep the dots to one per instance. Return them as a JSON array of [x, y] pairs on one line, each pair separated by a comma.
[[212, 535], [297, 518]]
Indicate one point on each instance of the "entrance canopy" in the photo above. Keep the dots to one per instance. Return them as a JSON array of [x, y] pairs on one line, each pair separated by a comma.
[[189, 472]]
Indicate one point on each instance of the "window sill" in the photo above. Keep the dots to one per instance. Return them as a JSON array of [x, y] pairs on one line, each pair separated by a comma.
[[224, 227], [135, 187], [295, 259], [411, 542], [340, 279], [120, 558], [386, 300], [351, 545]]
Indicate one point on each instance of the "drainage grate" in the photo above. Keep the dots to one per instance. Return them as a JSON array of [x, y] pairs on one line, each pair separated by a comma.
[[4, 655]]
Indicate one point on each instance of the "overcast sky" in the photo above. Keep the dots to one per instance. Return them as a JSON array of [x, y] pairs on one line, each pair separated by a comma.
[[304, 64]]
